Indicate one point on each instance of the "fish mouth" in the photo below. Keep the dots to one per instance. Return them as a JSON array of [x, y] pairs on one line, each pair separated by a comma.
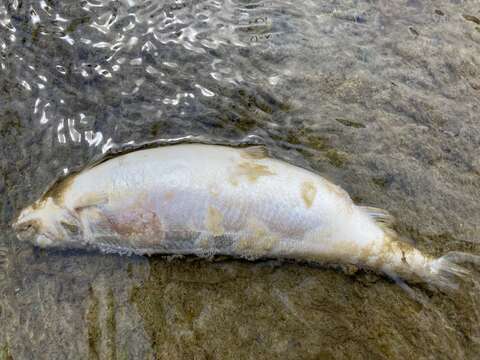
[[25, 225], [25, 230]]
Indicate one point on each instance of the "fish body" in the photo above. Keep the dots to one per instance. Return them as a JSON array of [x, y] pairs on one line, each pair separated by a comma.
[[208, 200]]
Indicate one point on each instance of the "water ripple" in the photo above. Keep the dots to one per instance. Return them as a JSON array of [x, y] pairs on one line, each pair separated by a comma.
[[152, 56]]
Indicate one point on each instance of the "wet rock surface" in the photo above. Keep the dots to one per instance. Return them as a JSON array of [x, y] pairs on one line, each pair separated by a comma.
[[383, 99]]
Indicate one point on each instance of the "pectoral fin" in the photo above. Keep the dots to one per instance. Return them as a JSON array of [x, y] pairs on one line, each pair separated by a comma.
[[91, 199]]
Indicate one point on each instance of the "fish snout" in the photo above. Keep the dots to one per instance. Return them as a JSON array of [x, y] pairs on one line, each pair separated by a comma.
[[26, 230], [25, 225]]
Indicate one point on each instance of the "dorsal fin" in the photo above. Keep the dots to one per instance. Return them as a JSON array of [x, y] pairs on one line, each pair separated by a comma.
[[381, 217], [386, 221], [256, 152]]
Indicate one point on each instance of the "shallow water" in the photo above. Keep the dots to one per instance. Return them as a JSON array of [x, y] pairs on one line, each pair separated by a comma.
[[383, 99]]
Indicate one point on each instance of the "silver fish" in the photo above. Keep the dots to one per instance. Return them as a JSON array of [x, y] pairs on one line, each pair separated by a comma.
[[210, 199]]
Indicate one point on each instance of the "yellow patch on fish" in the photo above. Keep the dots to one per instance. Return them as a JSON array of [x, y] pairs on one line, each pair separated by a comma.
[[169, 195], [142, 227], [250, 170], [258, 240], [309, 192], [214, 221]]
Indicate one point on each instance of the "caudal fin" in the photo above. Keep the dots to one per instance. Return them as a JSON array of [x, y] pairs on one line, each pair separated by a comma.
[[447, 270]]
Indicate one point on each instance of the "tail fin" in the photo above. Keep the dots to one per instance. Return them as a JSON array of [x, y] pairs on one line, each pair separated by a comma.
[[446, 270]]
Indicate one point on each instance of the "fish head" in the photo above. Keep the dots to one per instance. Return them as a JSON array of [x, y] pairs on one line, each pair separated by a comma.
[[48, 225]]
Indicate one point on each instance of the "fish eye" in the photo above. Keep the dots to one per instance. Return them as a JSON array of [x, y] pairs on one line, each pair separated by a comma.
[[71, 228]]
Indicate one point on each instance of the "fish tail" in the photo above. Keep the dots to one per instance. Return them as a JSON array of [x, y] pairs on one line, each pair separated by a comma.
[[407, 262], [446, 271]]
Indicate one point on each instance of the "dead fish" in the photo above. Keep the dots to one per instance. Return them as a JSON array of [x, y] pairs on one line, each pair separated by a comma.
[[218, 200]]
